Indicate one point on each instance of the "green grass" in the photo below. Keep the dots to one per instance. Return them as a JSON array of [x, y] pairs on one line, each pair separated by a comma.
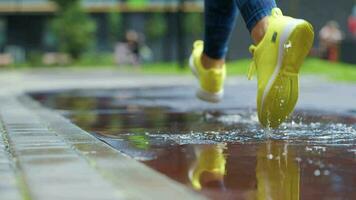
[[312, 66], [333, 71], [235, 68], [94, 59], [163, 68], [88, 60]]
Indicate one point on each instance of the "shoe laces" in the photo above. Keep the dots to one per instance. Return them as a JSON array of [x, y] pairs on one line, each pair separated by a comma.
[[252, 68]]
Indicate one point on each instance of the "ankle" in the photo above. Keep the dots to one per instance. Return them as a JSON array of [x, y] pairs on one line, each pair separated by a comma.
[[259, 31], [210, 63]]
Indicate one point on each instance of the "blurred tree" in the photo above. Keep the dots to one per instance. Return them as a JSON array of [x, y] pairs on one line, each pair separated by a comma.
[[73, 28], [49, 39], [137, 3], [3, 37], [115, 26], [156, 26], [64, 4], [193, 24]]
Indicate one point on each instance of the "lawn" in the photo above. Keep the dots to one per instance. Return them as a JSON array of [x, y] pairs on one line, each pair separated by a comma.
[[312, 66]]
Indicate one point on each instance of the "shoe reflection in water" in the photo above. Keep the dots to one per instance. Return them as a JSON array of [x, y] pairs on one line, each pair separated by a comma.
[[209, 167], [277, 173]]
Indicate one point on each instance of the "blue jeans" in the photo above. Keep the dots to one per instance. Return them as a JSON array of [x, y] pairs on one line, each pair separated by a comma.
[[220, 17]]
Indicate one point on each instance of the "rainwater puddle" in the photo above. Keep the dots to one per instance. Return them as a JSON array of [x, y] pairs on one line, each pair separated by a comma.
[[220, 150]]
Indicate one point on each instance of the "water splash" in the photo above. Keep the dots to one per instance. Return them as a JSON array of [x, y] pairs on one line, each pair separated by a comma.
[[244, 128]]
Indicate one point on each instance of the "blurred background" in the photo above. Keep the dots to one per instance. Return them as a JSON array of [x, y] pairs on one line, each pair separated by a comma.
[[148, 33]]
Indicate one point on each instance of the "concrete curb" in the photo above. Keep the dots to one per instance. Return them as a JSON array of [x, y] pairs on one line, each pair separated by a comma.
[[58, 160]]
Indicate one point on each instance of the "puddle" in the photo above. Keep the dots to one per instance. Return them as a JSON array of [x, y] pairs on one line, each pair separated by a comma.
[[220, 150]]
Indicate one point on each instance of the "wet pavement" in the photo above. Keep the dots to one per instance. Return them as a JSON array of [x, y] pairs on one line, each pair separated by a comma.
[[220, 150]]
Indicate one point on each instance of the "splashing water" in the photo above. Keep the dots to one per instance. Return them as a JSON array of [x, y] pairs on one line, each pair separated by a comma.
[[155, 127], [244, 127]]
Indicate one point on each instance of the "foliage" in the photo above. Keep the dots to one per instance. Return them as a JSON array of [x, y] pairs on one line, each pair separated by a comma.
[[156, 26], [115, 26], [34, 58], [312, 66], [3, 25], [137, 3], [92, 59], [331, 70], [193, 24], [73, 28], [64, 4]]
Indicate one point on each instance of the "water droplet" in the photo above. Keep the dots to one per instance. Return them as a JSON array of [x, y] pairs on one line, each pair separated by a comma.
[[308, 149], [288, 45], [326, 172], [319, 148], [352, 150], [317, 172], [293, 123], [270, 156]]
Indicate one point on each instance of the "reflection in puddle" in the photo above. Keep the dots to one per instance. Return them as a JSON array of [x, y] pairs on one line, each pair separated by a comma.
[[277, 173], [220, 151], [209, 166]]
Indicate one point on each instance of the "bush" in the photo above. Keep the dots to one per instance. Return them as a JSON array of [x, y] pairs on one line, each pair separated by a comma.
[[73, 28], [115, 27], [193, 24], [156, 26], [64, 4], [35, 58]]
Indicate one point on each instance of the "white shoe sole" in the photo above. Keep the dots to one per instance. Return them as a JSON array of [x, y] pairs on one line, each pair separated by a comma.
[[202, 94]]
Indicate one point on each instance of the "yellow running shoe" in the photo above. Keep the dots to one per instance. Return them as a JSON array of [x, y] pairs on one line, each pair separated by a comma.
[[211, 80], [277, 59], [210, 161], [277, 172]]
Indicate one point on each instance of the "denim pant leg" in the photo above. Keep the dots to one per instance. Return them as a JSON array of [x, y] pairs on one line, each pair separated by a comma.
[[220, 17], [253, 11]]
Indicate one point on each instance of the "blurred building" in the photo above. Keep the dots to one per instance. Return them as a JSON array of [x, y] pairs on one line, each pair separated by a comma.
[[24, 24]]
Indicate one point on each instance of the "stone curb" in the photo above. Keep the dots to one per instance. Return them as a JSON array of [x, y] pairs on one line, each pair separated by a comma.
[[135, 180], [58, 160]]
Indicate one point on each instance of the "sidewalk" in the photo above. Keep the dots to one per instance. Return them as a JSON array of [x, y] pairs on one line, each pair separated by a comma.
[[44, 156]]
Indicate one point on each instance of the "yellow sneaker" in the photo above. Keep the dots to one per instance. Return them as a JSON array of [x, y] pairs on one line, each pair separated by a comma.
[[211, 80], [277, 59], [210, 162], [277, 172]]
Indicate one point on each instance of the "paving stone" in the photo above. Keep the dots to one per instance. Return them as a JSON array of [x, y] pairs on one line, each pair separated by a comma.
[[10, 194], [45, 151], [29, 133], [25, 147], [5, 168], [56, 162], [9, 189], [4, 161], [35, 145]]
